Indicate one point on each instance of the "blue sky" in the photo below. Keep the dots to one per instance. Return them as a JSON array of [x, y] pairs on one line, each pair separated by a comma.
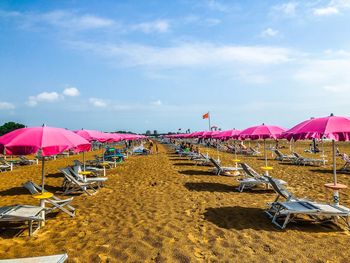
[[139, 65]]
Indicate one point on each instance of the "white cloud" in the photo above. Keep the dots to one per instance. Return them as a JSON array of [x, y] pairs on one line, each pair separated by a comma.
[[215, 5], [326, 11], [269, 32], [287, 9], [43, 97], [328, 74], [71, 92], [6, 105], [98, 103], [338, 88], [158, 26], [59, 18], [157, 103], [187, 55], [73, 21]]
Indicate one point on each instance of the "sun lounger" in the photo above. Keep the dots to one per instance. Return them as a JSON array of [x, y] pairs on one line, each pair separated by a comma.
[[96, 170], [346, 159], [202, 160], [218, 169], [308, 161], [284, 157], [25, 161], [82, 178], [72, 185], [23, 213], [5, 165], [45, 259], [290, 209], [98, 161], [253, 152], [57, 203], [253, 179]]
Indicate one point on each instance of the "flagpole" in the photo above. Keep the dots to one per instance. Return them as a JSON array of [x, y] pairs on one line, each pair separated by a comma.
[[209, 119]]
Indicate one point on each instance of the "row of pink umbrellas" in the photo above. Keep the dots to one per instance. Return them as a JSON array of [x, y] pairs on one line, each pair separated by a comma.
[[335, 128], [51, 141]]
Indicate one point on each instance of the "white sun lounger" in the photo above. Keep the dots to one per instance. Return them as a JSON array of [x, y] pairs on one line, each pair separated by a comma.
[[45, 259], [218, 169], [72, 185], [290, 209], [23, 213], [253, 179], [57, 203]]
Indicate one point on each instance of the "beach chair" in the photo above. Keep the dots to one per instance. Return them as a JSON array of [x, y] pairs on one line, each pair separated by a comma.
[[292, 207], [25, 161], [98, 161], [202, 160], [308, 161], [253, 179], [346, 159], [95, 170], [218, 169], [44, 259], [23, 213], [72, 185], [252, 152], [82, 178], [284, 157], [5, 165], [57, 203]]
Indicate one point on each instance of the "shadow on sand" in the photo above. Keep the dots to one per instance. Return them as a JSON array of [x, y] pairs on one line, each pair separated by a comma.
[[196, 172], [210, 187], [239, 218], [184, 164]]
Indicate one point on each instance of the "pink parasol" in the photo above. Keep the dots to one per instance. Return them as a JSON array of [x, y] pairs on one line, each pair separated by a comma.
[[92, 135], [332, 127], [262, 132], [49, 140], [226, 135]]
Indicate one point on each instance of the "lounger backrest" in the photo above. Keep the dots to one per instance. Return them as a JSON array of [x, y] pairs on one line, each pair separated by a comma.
[[279, 189], [249, 171], [30, 187], [77, 162], [68, 175], [278, 153], [297, 155], [215, 163], [75, 172]]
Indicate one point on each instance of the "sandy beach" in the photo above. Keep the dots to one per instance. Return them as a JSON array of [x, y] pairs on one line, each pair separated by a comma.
[[162, 208]]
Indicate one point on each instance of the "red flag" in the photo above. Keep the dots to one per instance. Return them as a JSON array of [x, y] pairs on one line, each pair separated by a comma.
[[206, 116]]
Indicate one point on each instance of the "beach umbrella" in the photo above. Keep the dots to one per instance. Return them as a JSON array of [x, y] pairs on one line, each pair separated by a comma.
[[93, 135], [226, 135], [335, 128], [262, 132], [48, 140]]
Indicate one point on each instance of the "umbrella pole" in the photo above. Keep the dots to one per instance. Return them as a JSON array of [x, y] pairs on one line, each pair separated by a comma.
[[265, 153], [336, 191], [334, 164], [84, 160], [42, 174]]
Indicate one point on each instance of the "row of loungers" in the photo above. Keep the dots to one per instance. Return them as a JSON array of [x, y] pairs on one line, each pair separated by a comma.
[[280, 212], [297, 159], [73, 182]]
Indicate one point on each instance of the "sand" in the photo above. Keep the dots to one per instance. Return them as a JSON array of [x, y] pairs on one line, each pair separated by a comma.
[[162, 208]]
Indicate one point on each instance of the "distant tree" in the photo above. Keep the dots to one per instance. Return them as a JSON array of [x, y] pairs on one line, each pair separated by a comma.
[[148, 132], [155, 132], [10, 126]]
